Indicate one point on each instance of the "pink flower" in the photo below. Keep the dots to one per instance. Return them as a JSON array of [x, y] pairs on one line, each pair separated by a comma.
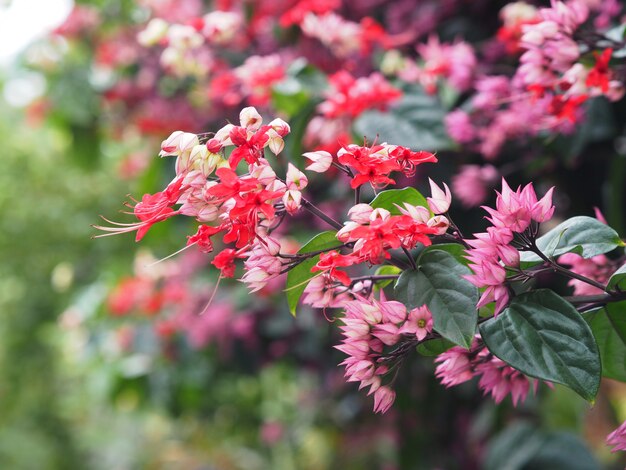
[[383, 399], [471, 183], [454, 366], [459, 126], [439, 202], [321, 161], [617, 438], [419, 323]]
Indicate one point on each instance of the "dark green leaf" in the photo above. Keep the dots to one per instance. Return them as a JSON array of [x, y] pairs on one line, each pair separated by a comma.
[[543, 336], [387, 199], [451, 299], [434, 347], [562, 451], [298, 277], [583, 235], [524, 447], [608, 325], [618, 279], [512, 448], [455, 249]]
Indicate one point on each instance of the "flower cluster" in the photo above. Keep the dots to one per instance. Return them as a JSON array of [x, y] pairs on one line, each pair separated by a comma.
[[349, 96], [494, 250], [599, 268], [459, 365], [453, 63], [370, 325]]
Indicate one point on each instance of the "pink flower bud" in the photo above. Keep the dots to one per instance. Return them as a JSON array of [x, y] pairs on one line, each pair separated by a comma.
[[295, 178], [387, 333], [187, 142], [223, 135], [440, 201], [321, 161], [383, 399], [360, 213], [276, 144], [250, 118], [169, 146], [543, 209], [379, 214], [280, 127], [214, 145], [440, 223], [292, 200]]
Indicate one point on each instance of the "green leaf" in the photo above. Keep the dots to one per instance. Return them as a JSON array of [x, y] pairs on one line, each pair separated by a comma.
[[543, 336], [385, 271], [524, 447], [455, 249], [416, 121], [298, 277], [434, 347], [451, 299], [583, 235], [387, 199], [618, 279], [608, 325], [562, 451], [512, 448]]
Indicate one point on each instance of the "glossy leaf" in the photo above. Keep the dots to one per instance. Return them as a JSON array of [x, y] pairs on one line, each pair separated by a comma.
[[387, 199], [438, 283], [608, 325], [385, 271], [524, 447], [298, 277], [618, 279], [455, 249], [583, 235], [543, 336]]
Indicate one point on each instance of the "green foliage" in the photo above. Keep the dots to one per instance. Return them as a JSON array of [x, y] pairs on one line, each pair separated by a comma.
[[543, 336], [415, 122], [299, 277], [389, 198], [385, 271], [608, 325], [451, 299], [583, 235], [617, 280], [455, 249], [523, 447], [434, 347]]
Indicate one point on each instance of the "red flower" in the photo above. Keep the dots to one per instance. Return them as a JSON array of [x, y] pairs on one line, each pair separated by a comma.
[[331, 261], [600, 74]]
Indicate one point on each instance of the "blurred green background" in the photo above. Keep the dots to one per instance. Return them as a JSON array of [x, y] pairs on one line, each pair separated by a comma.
[[81, 388]]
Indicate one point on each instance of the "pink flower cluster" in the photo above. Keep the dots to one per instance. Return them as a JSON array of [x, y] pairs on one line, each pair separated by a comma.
[[458, 365], [344, 38], [497, 115], [455, 63], [550, 47], [492, 251], [368, 326], [472, 183], [617, 438], [551, 62], [599, 268]]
